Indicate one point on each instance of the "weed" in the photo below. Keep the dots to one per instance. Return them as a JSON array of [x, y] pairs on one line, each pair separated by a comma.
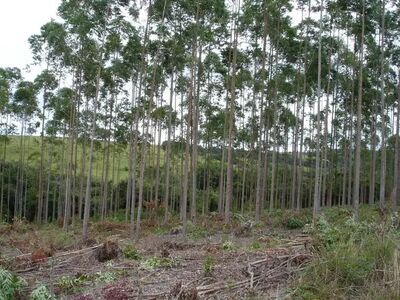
[[228, 245], [294, 223], [352, 256], [41, 292], [160, 230], [130, 252], [158, 262], [297, 220], [60, 239], [196, 232], [69, 283], [10, 285], [105, 277], [255, 245], [208, 265]]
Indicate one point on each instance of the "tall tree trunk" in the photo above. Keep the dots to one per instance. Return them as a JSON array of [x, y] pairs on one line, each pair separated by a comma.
[[3, 173], [146, 125], [196, 113], [229, 169], [168, 152], [88, 192], [371, 196], [69, 179], [46, 210], [357, 167], [259, 191], [397, 176], [317, 203], [325, 146], [42, 151], [383, 116], [107, 162]]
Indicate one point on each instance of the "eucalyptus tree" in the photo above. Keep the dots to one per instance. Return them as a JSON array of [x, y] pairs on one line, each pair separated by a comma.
[[316, 206], [278, 19], [49, 47], [134, 55], [210, 20], [212, 133], [23, 106], [304, 27], [91, 23], [397, 161], [9, 78], [114, 78], [152, 92], [253, 15], [356, 189], [173, 60], [383, 107], [47, 83], [231, 113]]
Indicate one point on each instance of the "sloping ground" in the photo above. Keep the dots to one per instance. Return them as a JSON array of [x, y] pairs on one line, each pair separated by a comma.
[[258, 265]]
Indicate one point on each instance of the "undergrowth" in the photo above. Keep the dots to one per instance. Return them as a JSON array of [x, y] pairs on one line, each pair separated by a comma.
[[41, 292], [130, 252], [208, 265], [357, 260], [10, 285], [69, 284], [158, 262]]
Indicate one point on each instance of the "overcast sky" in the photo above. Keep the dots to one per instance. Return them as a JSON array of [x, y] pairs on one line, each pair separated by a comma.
[[19, 19]]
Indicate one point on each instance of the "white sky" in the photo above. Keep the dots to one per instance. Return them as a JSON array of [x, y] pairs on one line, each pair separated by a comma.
[[19, 19]]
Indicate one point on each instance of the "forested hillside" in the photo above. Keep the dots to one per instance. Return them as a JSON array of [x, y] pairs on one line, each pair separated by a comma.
[[203, 106], [169, 112]]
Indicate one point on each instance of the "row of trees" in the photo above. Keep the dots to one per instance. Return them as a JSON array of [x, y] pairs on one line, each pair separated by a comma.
[[163, 107]]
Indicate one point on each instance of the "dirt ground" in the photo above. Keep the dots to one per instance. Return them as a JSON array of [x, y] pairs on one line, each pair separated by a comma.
[[245, 262]]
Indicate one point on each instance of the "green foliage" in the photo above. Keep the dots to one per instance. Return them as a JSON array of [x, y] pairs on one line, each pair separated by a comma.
[[130, 252], [105, 277], [228, 245], [69, 283], [10, 285], [294, 223], [292, 220], [352, 256], [208, 265], [196, 232], [56, 238], [41, 292], [160, 230], [255, 245], [158, 262]]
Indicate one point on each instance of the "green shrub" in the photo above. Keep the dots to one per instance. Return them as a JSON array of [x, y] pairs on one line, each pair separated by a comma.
[[228, 245], [351, 256], [208, 265], [294, 223], [105, 277], [41, 292], [196, 232], [158, 262], [255, 245], [130, 252], [161, 230], [69, 283], [10, 285], [295, 220]]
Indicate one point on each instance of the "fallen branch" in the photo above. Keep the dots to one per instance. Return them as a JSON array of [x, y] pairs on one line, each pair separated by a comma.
[[252, 281]]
